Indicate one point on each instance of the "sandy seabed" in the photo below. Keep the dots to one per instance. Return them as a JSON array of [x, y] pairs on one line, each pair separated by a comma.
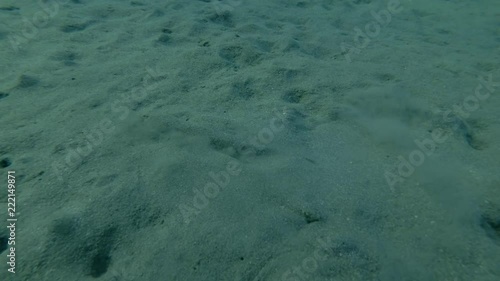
[[250, 140]]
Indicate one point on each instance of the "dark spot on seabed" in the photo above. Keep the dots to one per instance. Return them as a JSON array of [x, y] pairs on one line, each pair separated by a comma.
[[74, 27], [310, 217], [310, 160], [164, 39], [166, 30], [65, 227], [3, 243], [468, 133], [231, 53], [67, 57], [345, 247], [243, 89], [26, 81], [224, 18], [220, 144], [9, 8], [197, 265], [101, 258], [3, 95], [492, 226], [4, 163], [100, 264]]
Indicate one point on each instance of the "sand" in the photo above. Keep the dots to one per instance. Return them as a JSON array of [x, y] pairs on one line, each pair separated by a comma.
[[250, 140]]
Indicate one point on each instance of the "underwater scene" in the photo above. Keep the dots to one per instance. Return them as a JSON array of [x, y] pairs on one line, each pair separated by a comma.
[[250, 140]]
